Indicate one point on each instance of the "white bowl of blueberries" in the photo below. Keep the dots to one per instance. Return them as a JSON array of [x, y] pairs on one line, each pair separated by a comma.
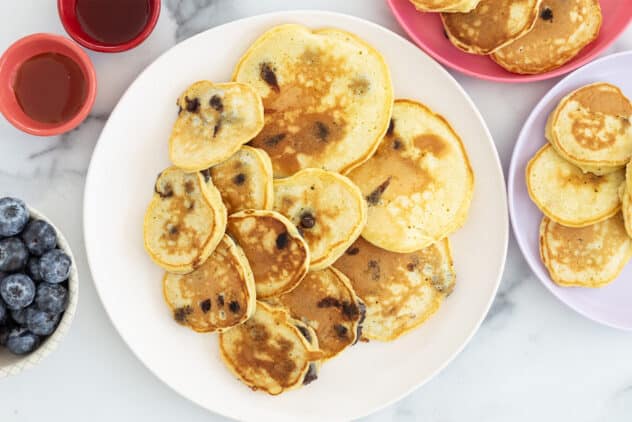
[[38, 286]]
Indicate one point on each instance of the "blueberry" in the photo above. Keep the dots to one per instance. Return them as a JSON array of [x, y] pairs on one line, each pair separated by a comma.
[[21, 341], [13, 254], [55, 266], [17, 290], [39, 237], [4, 333], [51, 298], [13, 216], [40, 322], [33, 268], [19, 316]]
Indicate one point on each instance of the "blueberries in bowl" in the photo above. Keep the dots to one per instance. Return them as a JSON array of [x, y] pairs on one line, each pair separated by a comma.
[[34, 276]]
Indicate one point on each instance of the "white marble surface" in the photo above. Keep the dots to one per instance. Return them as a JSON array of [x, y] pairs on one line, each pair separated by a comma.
[[533, 359]]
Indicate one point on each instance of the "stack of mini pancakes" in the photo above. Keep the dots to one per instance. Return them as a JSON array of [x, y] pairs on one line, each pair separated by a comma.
[[328, 227], [579, 182], [522, 36]]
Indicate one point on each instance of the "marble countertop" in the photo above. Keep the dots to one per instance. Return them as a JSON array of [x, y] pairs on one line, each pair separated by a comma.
[[532, 359]]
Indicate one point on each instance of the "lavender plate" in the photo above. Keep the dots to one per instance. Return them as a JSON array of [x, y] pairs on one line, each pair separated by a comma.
[[608, 305]]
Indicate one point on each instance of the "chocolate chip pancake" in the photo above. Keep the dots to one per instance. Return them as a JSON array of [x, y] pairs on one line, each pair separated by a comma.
[[400, 290], [491, 25], [244, 180], [327, 208], [326, 301], [591, 256], [569, 196], [270, 351], [563, 29], [327, 97], [184, 222], [214, 121], [216, 296], [278, 255], [444, 5], [591, 127], [419, 183]]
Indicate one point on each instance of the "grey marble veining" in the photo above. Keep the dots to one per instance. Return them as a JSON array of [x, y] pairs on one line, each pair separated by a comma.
[[532, 359]]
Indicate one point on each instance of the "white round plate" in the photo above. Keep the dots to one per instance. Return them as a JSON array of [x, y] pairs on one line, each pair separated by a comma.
[[132, 150]]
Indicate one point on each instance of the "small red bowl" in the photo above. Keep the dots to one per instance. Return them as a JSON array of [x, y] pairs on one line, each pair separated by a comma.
[[24, 49], [68, 16]]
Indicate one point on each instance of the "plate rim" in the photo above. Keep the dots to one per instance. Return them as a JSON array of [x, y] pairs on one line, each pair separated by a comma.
[[323, 14], [511, 180], [511, 78]]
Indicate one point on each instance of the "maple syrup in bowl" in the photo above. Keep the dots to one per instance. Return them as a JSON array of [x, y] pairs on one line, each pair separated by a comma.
[[47, 84], [109, 25]]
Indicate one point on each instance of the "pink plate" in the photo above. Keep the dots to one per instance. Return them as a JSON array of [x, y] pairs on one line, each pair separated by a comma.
[[609, 305], [426, 30]]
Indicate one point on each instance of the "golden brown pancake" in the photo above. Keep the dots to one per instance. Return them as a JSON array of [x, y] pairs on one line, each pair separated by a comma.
[[269, 352], [244, 180], [184, 222], [326, 301], [591, 127], [327, 96], [591, 256], [400, 290], [278, 255], [217, 295], [491, 25]]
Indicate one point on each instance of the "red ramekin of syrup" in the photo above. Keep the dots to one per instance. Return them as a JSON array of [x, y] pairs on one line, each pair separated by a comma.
[[47, 84], [109, 25]]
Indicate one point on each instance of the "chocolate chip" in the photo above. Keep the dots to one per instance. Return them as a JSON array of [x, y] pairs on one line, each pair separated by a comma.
[[350, 310], [234, 306], [374, 270], [341, 330], [216, 103], [311, 375], [216, 128], [206, 174], [282, 240], [328, 302], [322, 131], [220, 300], [374, 197], [391, 128], [305, 332], [181, 314], [547, 14], [267, 74], [307, 221], [173, 230], [165, 191], [239, 179], [205, 305], [411, 267], [193, 106], [275, 139], [353, 250], [397, 144]]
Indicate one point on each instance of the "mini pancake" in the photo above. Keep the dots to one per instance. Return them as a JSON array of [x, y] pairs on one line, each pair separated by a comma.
[[326, 301], [444, 5], [400, 291], [569, 196], [591, 128], [269, 351], [591, 256], [244, 180], [327, 208], [214, 121], [184, 222], [626, 207], [278, 255], [491, 25], [327, 97], [562, 30], [218, 295], [419, 183]]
